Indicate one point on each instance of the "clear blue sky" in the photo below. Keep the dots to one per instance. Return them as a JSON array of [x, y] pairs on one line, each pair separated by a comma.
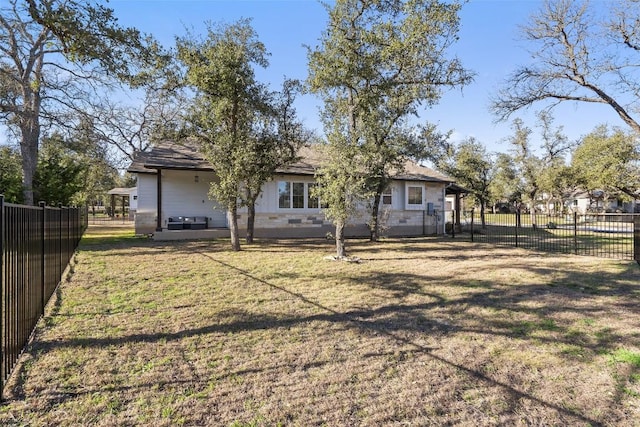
[[489, 45]]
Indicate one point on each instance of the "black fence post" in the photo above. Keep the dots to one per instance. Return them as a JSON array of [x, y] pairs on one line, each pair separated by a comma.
[[68, 245], [2, 337], [453, 224], [636, 239], [517, 225], [575, 233], [60, 268], [472, 215], [44, 253]]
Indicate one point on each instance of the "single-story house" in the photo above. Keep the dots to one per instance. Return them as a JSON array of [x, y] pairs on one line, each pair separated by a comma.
[[173, 186], [599, 201]]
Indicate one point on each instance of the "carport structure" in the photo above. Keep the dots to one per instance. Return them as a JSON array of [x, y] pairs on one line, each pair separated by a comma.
[[123, 195]]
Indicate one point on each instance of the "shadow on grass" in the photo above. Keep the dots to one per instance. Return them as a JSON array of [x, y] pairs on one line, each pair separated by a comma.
[[393, 319]]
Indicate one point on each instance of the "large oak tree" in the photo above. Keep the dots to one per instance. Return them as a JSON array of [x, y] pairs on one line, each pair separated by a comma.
[[609, 159], [55, 56], [244, 130], [581, 52], [377, 64]]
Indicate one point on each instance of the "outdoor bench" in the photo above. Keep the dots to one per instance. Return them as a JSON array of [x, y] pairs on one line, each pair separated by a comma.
[[188, 223], [195, 222], [175, 223]]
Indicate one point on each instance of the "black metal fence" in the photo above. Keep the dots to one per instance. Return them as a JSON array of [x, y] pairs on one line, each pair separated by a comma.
[[601, 235], [96, 219], [36, 245]]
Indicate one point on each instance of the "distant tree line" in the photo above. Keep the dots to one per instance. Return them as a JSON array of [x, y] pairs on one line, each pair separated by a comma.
[[544, 177], [69, 172]]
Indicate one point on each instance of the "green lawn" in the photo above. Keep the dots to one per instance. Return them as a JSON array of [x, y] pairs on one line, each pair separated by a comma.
[[421, 332]]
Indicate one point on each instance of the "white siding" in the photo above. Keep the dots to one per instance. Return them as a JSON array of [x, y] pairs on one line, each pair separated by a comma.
[[147, 201], [183, 196], [133, 199]]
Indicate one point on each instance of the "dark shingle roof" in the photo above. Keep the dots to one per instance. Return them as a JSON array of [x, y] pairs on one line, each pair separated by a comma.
[[415, 172], [171, 155], [309, 160]]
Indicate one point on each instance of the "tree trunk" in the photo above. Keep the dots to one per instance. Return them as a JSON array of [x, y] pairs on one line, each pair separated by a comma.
[[534, 217], [251, 219], [232, 217], [340, 249], [29, 151], [482, 216], [375, 220], [532, 211]]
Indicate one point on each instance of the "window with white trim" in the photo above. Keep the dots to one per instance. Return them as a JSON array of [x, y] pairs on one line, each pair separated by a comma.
[[386, 196], [284, 194], [414, 195], [297, 195]]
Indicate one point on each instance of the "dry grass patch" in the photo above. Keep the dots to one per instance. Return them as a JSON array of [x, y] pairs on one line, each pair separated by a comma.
[[422, 332]]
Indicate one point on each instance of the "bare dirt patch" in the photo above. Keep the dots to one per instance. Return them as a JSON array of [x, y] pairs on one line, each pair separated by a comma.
[[420, 332]]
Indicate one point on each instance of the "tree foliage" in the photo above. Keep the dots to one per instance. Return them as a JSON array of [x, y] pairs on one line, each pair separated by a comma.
[[275, 139], [534, 177], [100, 173], [505, 187], [378, 62], [582, 51], [129, 129], [471, 166], [10, 175], [53, 56], [60, 174], [528, 164], [341, 181], [609, 160], [555, 178], [245, 131]]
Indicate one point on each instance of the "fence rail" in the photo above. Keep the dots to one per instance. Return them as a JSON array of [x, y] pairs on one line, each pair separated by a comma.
[[97, 219], [601, 235], [36, 245]]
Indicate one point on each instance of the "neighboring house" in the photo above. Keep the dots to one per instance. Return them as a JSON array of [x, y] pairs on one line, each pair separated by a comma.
[[133, 201], [173, 181], [598, 201]]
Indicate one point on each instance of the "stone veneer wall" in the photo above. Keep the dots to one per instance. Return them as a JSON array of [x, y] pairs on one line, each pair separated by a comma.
[[145, 223], [288, 225], [399, 223], [291, 225]]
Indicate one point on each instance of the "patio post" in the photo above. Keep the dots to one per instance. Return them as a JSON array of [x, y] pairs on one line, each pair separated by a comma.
[[159, 200]]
